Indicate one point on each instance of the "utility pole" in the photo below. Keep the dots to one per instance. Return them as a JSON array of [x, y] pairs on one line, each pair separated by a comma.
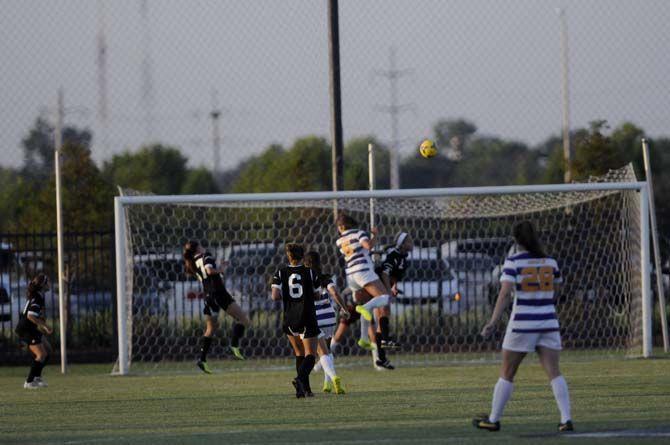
[[335, 96], [101, 61], [568, 154], [215, 114], [393, 109], [147, 88]]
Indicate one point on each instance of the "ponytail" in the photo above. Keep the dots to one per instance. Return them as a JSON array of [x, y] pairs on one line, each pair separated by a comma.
[[190, 249], [525, 235]]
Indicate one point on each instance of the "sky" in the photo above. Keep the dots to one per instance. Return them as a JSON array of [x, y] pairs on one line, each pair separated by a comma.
[[496, 63]]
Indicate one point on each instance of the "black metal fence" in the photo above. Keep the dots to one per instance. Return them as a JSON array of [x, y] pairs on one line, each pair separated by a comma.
[[90, 306]]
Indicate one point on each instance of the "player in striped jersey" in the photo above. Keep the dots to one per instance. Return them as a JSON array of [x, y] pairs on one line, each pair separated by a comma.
[[533, 324], [201, 264], [30, 329], [326, 319], [355, 245]]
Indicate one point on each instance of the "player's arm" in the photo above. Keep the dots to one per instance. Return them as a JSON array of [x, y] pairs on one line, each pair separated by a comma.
[[369, 242], [276, 286], [501, 304], [40, 322], [332, 290]]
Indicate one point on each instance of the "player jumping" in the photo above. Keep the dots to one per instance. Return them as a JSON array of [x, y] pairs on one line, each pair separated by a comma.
[[355, 245], [30, 329], [325, 318], [202, 265], [533, 324], [296, 286]]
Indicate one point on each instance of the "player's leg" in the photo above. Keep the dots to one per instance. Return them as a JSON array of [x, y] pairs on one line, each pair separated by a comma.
[[549, 359], [299, 353], [211, 325], [380, 298], [362, 297], [241, 323], [49, 351], [39, 353], [502, 390], [336, 341], [309, 343]]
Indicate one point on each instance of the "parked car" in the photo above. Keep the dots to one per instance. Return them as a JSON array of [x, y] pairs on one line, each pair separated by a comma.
[[428, 279], [250, 267]]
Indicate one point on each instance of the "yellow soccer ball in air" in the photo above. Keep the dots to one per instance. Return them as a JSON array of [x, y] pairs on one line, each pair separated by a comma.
[[428, 149]]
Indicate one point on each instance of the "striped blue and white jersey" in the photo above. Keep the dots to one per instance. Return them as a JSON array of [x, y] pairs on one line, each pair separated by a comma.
[[356, 257], [325, 314], [535, 279]]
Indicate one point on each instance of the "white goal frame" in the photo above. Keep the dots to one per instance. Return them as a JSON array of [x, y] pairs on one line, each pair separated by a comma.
[[121, 244]]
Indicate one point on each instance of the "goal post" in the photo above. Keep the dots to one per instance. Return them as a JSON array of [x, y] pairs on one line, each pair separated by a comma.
[[600, 229]]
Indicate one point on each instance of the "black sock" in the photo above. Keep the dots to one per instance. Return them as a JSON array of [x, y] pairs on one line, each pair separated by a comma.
[[305, 369], [298, 362], [43, 363], [238, 332], [380, 351], [384, 327], [206, 342], [35, 368]]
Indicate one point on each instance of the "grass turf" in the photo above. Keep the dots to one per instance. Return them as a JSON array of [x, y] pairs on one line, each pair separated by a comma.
[[414, 405]]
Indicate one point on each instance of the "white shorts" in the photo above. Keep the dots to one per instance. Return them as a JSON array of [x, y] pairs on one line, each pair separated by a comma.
[[358, 280], [326, 331], [527, 342]]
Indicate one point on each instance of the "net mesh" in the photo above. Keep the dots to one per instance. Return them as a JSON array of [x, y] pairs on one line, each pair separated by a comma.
[[460, 244]]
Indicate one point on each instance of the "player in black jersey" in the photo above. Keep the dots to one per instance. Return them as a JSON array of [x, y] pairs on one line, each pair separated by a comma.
[[391, 271], [296, 286], [30, 329], [202, 265]]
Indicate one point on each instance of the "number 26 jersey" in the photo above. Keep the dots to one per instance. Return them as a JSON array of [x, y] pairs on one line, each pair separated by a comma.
[[297, 284]]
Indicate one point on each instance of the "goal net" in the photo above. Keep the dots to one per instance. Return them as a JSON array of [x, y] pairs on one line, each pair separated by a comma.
[[462, 236]]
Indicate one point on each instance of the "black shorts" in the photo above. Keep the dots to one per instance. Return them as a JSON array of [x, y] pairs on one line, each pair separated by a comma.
[[28, 333], [217, 302], [309, 330]]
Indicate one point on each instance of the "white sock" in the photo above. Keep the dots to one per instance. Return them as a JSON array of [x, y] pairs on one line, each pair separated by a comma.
[[560, 388], [328, 365], [317, 366], [364, 329], [375, 355], [501, 394], [333, 343], [380, 301], [326, 379]]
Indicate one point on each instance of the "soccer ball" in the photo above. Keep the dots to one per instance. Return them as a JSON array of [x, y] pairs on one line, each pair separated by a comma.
[[428, 149]]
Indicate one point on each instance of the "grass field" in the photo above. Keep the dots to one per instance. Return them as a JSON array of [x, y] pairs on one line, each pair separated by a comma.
[[630, 398]]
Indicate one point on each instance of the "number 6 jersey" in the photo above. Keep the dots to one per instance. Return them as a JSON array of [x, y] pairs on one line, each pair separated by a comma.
[[297, 285], [534, 278]]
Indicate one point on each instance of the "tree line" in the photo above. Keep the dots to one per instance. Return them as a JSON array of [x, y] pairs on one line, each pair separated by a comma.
[[466, 158]]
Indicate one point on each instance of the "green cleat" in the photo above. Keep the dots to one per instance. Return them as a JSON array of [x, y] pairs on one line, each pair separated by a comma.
[[364, 312], [337, 385], [237, 353], [365, 344], [327, 387], [483, 423], [204, 367]]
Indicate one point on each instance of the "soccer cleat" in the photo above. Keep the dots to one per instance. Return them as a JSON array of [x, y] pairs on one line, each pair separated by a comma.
[[31, 385], [565, 427], [40, 382], [299, 389], [204, 367], [328, 387], [365, 313], [337, 385], [237, 353], [365, 344], [483, 423], [381, 365]]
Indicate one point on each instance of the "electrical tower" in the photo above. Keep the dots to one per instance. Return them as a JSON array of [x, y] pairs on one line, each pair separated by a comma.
[[215, 114], [394, 109], [101, 62]]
